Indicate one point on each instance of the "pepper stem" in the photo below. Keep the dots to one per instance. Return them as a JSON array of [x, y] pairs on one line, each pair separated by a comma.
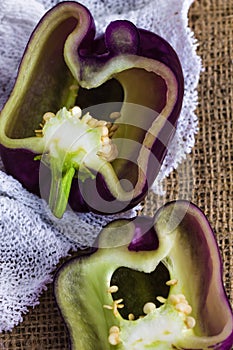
[[60, 188]]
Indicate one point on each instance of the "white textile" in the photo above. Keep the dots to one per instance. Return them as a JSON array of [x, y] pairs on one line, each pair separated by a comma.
[[32, 241]]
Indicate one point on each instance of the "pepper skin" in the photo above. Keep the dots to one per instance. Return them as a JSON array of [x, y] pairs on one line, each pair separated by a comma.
[[150, 283], [128, 72]]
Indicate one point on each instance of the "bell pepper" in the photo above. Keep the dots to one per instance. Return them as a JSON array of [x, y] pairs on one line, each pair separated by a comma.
[[90, 118], [148, 283]]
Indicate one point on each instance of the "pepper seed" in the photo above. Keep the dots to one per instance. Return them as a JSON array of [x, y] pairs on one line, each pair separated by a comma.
[[114, 115], [162, 300], [172, 282], [113, 338], [148, 308], [113, 289], [131, 317], [114, 329], [190, 322]]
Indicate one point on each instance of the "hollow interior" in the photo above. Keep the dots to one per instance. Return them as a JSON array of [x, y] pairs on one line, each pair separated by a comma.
[[131, 87], [46, 87], [136, 288], [102, 100], [137, 94]]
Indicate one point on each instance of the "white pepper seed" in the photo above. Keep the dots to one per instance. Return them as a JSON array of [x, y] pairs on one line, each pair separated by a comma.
[[131, 317], [181, 297], [162, 300], [113, 338], [188, 310], [108, 307], [114, 329], [101, 123], [113, 289], [76, 112], [48, 115], [114, 115], [174, 299], [148, 308], [190, 322], [172, 282], [184, 308], [105, 140], [87, 117]]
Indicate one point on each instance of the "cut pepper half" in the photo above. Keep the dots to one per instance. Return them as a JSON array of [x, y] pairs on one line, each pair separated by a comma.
[[129, 80], [149, 284]]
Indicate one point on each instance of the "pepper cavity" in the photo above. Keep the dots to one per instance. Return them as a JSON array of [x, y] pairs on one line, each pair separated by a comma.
[[138, 288], [177, 302]]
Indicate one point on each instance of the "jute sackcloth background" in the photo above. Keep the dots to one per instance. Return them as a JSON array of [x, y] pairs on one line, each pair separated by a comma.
[[205, 178]]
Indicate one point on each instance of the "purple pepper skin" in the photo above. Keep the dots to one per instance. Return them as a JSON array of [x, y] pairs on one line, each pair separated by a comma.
[[62, 53], [180, 237]]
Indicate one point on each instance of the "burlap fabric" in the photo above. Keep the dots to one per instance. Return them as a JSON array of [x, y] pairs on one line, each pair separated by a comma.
[[206, 177]]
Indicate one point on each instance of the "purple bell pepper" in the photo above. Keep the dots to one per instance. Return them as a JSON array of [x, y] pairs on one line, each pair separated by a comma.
[[149, 283], [90, 118]]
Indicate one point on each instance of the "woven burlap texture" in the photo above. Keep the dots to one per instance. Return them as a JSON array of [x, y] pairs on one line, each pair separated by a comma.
[[206, 177]]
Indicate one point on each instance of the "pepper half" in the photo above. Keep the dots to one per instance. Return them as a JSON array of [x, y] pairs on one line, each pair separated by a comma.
[[122, 91], [149, 284]]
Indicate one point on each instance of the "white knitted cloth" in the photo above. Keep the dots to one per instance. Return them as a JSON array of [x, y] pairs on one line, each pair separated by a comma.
[[32, 241]]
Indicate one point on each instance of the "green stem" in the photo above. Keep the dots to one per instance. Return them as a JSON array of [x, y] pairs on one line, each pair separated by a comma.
[[60, 188]]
